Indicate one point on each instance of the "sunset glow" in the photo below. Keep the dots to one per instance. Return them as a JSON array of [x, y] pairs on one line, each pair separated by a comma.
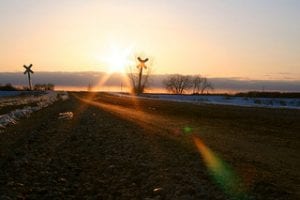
[[160, 99], [245, 39], [117, 60]]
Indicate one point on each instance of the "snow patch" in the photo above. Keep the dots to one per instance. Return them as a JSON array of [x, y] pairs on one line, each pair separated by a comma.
[[41, 101], [290, 103], [66, 115], [293, 103]]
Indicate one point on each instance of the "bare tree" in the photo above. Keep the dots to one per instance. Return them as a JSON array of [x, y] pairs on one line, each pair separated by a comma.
[[50, 86], [206, 85], [177, 83], [44, 87], [38, 87], [201, 84], [197, 82]]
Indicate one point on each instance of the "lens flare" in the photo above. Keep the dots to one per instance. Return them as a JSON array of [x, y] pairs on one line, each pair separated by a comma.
[[221, 172], [187, 130]]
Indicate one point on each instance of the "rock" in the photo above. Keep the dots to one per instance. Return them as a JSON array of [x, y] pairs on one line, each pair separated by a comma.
[[158, 190], [20, 184], [111, 167], [63, 180]]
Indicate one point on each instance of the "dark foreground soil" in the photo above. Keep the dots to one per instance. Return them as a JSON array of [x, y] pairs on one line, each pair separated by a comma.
[[123, 148]]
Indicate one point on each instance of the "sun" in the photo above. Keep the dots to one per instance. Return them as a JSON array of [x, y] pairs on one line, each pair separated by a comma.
[[117, 60]]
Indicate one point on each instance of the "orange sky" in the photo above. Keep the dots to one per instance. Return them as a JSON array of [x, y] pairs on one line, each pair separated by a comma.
[[256, 39]]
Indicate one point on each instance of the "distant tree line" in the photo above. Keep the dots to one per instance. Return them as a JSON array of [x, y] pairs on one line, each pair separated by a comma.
[[176, 84], [180, 84], [39, 87], [44, 87], [8, 87]]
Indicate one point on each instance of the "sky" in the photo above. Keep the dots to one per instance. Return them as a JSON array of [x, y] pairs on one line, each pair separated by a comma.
[[246, 39]]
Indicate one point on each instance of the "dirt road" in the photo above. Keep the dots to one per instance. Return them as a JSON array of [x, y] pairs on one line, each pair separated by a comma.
[[123, 148]]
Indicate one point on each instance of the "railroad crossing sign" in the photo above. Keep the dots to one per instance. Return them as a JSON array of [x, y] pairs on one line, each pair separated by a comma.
[[142, 63], [28, 71], [141, 66]]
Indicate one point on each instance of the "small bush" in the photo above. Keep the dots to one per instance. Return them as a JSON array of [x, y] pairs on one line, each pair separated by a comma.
[[8, 87]]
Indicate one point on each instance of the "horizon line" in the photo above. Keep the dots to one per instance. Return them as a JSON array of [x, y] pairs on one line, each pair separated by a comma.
[[236, 78]]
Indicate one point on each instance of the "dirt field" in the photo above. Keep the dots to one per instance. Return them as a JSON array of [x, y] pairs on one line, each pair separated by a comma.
[[125, 148]]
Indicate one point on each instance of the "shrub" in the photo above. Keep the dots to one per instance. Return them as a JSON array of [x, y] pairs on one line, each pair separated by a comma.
[[8, 87]]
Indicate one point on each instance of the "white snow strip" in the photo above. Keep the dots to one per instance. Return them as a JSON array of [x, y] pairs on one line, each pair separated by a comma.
[[41, 102], [290, 103]]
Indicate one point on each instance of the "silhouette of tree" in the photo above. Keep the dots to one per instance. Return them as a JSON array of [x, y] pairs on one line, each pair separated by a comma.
[[8, 87], [44, 87], [206, 85], [177, 84], [196, 81], [50, 86], [37, 87], [201, 84]]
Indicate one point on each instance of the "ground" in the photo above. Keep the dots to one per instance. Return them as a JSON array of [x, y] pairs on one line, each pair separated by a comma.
[[128, 148]]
